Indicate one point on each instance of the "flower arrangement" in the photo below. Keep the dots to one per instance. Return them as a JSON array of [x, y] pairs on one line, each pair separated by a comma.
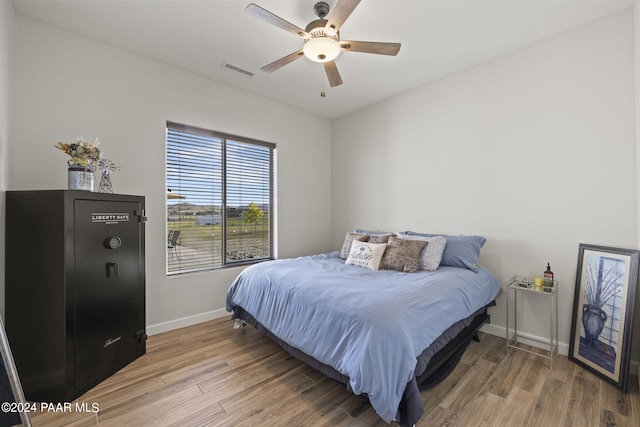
[[83, 152], [598, 291]]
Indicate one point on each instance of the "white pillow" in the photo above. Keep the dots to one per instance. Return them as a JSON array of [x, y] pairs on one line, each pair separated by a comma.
[[365, 254], [431, 255]]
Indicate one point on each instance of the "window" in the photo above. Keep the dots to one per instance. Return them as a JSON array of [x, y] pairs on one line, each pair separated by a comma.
[[219, 199]]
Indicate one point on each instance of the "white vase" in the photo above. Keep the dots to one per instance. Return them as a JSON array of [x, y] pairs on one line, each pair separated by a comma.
[[80, 178]]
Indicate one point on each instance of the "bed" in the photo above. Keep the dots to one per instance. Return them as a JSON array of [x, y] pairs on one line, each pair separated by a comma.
[[380, 332]]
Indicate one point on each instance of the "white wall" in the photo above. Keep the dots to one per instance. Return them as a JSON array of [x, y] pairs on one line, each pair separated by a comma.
[[68, 86], [534, 150], [7, 29]]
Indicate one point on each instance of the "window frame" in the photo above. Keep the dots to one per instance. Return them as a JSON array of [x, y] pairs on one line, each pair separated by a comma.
[[224, 137]]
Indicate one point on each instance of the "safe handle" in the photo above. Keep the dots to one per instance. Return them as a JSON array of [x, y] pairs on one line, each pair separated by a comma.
[[114, 266]]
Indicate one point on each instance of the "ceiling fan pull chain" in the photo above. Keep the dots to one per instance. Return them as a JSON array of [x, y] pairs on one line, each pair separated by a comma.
[[322, 87]]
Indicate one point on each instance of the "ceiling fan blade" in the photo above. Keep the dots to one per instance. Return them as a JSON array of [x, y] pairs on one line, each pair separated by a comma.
[[282, 62], [380, 48], [340, 13], [268, 17], [332, 74]]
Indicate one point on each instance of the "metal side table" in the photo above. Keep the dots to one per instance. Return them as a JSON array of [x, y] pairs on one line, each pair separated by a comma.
[[521, 285]]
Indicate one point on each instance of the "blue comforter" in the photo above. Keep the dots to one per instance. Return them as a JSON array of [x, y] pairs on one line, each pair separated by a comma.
[[368, 325]]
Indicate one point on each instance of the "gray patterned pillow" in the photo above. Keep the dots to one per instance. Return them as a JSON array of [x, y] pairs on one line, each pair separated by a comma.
[[402, 255], [431, 255], [348, 240]]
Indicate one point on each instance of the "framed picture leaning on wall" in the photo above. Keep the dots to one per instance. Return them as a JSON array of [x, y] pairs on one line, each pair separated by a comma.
[[601, 326]]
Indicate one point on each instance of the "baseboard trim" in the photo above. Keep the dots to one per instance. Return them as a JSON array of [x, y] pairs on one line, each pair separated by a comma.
[[524, 338], [563, 348], [170, 325]]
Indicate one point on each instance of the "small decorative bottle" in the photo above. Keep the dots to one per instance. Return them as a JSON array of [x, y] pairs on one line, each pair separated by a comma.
[[548, 274], [548, 279]]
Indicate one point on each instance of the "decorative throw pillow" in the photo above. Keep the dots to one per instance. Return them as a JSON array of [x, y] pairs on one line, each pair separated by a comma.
[[348, 239], [431, 255], [460, 251], [365, 254], [402, 255], [379, 238]]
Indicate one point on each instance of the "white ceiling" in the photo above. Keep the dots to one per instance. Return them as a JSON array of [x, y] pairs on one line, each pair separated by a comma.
[[438, 37]]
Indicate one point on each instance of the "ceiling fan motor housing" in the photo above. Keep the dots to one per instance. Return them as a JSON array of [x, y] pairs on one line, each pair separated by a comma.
[[317, 29]]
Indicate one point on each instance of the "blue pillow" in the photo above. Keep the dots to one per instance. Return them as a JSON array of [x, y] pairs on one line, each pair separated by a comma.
[[460, 251], [358, 230]]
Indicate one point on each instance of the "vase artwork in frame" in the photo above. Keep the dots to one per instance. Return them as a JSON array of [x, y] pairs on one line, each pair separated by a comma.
[[603, 305]]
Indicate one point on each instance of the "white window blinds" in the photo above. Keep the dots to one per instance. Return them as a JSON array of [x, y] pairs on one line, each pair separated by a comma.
[[219, 199]]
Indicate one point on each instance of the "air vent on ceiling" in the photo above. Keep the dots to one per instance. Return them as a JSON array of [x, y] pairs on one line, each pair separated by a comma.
[[237, 69]]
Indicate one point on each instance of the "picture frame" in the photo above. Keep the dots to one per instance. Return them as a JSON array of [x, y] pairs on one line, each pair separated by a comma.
[[603, 305]]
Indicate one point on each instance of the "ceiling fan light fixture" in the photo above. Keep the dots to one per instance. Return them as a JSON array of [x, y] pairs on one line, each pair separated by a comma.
[[321, 49]]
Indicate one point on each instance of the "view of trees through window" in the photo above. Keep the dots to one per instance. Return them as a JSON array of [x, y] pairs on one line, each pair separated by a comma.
[[219, 199]]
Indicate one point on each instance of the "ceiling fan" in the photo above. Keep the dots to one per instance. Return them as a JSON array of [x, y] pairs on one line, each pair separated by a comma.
[[322, 38]]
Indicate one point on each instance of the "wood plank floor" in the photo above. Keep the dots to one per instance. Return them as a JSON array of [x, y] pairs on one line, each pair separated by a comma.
[[213, 375]]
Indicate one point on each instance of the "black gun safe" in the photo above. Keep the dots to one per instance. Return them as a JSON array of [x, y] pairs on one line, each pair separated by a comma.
[[74, 288]]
